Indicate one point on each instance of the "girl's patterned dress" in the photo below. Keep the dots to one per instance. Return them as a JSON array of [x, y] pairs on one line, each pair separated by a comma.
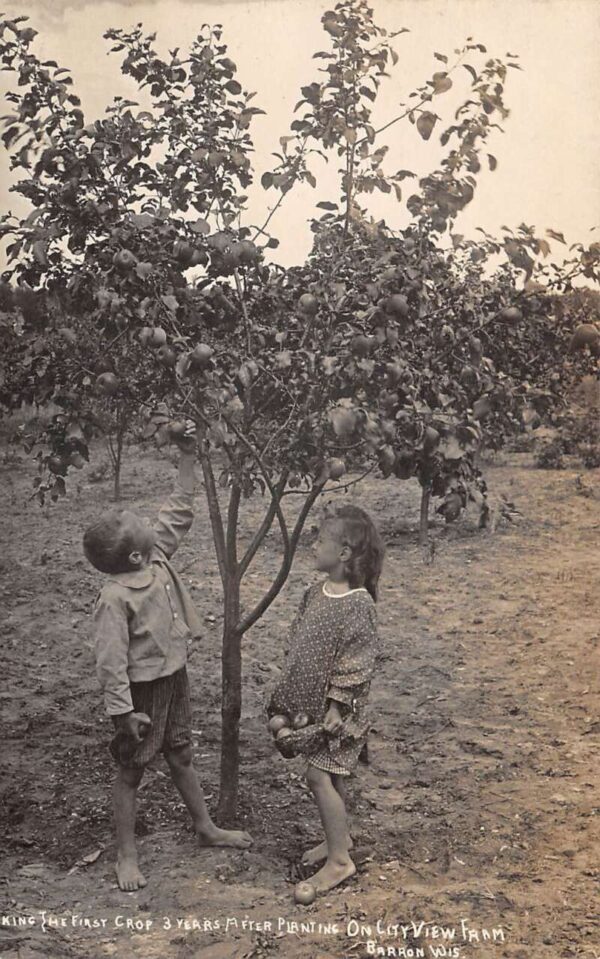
[[332, 651]]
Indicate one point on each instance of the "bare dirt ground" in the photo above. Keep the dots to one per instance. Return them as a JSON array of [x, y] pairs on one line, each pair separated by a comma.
[[477, 812]]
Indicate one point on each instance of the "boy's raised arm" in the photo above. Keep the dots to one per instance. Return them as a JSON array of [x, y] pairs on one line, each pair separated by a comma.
[[176, 515]]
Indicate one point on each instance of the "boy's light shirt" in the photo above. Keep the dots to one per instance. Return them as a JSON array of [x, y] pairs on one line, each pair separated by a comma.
[[143, 619]]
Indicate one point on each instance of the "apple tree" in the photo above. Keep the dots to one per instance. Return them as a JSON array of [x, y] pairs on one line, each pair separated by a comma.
[[372, 353]]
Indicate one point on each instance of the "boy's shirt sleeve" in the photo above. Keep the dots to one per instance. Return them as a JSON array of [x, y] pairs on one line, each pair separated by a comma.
[[111, 643], [355, 662], [174, 520]]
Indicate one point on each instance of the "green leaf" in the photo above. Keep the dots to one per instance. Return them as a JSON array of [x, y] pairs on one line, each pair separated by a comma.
[[470, 69], [544, 247], [266, 180], [450, 448], [142, 220], [493, 163], [327, 205], [426, 123], [441, 83], [171, 303], [200, 226], [440, 56]]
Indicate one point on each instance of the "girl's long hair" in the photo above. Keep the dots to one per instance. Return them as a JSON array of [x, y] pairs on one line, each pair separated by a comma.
[[358, 532]]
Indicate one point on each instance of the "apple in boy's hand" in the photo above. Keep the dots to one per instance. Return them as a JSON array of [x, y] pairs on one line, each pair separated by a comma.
[[278, 722], [284, 732], [305, 893], [135, 725], [300, 720], [183, 434]]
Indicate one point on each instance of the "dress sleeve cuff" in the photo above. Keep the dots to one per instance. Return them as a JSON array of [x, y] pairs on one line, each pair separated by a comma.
[[344, 696]]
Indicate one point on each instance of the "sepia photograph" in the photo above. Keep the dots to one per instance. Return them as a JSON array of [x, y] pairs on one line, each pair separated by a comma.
[[300, 461]]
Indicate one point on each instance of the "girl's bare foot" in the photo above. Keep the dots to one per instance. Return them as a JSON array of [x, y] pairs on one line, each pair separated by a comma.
[[312, 856], [129, 876], [224, 837], [331, 875]]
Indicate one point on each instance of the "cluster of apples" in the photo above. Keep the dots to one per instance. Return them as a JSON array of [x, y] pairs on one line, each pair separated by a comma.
[[281, 726], [228, 254], [156, 338]]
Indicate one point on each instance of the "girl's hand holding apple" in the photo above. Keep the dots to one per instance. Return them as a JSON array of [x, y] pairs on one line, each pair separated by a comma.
[[333, 721]]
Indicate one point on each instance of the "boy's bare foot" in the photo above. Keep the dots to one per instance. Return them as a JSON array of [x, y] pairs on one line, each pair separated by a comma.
[[312, 856], [129, 876], [331, 875], [224, 837]]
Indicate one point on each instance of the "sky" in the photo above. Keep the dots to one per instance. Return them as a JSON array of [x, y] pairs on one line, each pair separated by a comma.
[[548, 156]]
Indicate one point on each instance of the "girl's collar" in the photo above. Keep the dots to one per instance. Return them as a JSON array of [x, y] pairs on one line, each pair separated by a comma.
[[359, 589]]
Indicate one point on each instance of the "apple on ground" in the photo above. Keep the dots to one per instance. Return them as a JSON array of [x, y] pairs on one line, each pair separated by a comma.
[[305, 893]]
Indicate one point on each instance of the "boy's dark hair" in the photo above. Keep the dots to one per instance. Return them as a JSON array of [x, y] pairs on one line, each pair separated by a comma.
[[358, 531], [105, 546]]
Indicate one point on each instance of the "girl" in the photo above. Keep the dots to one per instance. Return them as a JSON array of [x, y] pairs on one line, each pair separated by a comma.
[[331, 659]]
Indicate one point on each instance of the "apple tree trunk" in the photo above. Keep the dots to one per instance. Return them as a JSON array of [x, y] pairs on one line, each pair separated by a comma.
[[424, 515], [231, 702]]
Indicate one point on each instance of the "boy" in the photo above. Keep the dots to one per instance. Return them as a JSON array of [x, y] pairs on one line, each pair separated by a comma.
[[142, 623]]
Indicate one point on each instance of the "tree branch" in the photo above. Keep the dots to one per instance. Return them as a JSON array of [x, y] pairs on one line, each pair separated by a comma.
[[233, 512], [214, 511], [272, 489], [286, 564], [264, 527]]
